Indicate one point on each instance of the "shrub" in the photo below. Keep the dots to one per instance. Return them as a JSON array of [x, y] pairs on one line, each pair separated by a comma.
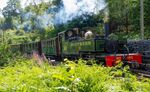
[[6, 56], [26, 75]]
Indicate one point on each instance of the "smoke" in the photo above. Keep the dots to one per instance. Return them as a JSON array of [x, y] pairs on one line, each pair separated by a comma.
[[44, 21], [69, 10], [74, 8]]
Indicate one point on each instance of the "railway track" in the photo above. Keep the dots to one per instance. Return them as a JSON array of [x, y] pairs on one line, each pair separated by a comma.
[[143, 47], [141, 72]]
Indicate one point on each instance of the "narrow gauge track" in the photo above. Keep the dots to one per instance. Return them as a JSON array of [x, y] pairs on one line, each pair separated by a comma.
[[141, 72], [143, 47]]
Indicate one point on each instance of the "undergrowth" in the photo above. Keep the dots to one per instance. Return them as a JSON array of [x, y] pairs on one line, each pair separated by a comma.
[[26, 75], [6, 55]]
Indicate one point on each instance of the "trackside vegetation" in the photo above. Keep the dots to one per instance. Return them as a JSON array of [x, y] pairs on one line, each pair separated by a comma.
[[25, 75]]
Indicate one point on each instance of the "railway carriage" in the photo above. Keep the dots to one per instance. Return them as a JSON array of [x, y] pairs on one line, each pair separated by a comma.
[[49, 47], [30, 47]]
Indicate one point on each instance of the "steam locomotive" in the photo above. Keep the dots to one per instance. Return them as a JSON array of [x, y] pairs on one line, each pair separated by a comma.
[[73, 44]]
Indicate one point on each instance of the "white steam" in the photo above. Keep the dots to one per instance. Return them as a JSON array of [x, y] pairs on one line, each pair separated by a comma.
[[73, 8]]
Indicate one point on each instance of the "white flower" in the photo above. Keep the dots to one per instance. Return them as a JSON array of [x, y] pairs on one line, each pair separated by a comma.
[[77, 80], [63, 88]]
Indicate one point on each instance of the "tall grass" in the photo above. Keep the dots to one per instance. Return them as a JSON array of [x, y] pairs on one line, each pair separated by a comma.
[[7, 56], [25, 75]]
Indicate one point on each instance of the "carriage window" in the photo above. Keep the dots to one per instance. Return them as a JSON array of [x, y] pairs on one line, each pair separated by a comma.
[[46, 43], [30, 46], [33, 45], [52, 43], [49, 44], [43, 44]]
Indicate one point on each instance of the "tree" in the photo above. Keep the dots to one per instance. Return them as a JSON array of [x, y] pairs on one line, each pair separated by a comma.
[[11, 11], [147, 18], [124, 15], [41, 8], [37, 11]]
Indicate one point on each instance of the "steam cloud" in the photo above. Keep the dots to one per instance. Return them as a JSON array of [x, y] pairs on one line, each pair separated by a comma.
[[73, 8], [69, 10]]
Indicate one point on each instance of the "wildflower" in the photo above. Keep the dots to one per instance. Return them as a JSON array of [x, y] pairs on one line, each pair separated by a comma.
[[63, 88]]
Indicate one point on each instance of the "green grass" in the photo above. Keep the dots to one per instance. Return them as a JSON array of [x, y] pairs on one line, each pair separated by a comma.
[[27, 76]]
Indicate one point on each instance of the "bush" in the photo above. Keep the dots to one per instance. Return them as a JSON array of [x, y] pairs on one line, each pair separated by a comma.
[[26, 75], [6, 56]]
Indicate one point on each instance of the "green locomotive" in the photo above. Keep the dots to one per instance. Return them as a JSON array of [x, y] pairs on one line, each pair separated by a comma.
[[74, 44]]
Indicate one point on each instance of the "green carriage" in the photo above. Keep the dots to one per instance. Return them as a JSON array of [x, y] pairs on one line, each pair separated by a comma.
[[49, 47], [30, 47]]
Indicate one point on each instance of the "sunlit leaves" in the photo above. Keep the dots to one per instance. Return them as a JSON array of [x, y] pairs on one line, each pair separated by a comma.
[[26, 75]]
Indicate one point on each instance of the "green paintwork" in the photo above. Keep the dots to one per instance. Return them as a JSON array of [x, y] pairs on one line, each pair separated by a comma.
[[100, 45], [49, 47], [30, 47], [91, 45]]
